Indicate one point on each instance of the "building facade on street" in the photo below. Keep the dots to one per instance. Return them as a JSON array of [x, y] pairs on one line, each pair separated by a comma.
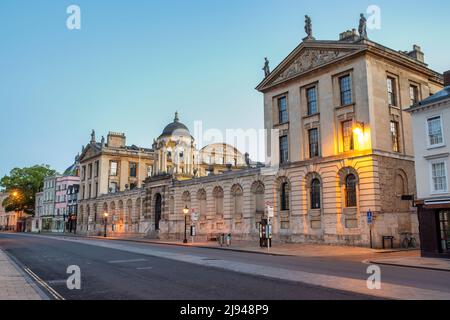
[[339, 145], [38, 212], [431, 137], [65, 186], [48, 204], [56, 206]]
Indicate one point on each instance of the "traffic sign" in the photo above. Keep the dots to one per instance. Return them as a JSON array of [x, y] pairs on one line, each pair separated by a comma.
[[369, 217]]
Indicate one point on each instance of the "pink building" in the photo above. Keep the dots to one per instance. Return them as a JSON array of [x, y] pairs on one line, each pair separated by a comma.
[[61, 212]]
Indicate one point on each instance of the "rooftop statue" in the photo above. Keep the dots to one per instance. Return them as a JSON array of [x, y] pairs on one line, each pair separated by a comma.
[[308, 28], [362, 26], [266, 67]]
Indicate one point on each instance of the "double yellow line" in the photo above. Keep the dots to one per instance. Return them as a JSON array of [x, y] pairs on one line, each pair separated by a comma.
[[55, 294]]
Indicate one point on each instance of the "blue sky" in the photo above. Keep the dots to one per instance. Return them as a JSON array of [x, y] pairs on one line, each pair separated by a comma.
[[135, 62]]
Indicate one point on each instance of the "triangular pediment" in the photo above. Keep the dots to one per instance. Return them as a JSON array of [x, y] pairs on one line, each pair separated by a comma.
[[88, 152], [307, 57]]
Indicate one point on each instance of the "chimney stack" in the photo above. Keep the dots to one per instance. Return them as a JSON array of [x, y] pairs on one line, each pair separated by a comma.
[[447, 78], [417, 54]]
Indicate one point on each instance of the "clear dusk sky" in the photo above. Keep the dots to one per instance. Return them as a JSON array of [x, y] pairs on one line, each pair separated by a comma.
[[135, 62]]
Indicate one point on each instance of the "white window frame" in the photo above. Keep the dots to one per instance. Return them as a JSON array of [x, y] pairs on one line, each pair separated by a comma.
[[436, 161], [427, 130]]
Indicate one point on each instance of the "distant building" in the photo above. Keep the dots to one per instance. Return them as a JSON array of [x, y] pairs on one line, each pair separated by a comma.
[[64, 185], [72, 207], [38, 212], [431, 123], [55, 203], [48, 204]]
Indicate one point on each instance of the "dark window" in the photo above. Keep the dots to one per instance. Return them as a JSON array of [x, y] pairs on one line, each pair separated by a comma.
[[97, 167], [133, 169], [413, 94], [311, 95], [313, 143], [395, 137], [350, 191], [83, 173], [90, 171], [346, 90], [282, 110], [284, 197], [347, 135], [392, 99], [444, 226], [284, 150], [315, 194]]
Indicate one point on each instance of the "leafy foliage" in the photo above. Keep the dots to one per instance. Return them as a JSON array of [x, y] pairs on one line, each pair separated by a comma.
[[22, 184]]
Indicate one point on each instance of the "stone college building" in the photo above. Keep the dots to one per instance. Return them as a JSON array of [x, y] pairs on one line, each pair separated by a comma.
[[343, 147]]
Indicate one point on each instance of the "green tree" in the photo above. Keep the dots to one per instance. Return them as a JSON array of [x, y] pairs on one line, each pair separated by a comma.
[[22, 184]]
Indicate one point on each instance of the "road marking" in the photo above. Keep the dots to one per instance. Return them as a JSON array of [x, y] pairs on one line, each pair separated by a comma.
[[127, 261], [144, 268], [55, 294]]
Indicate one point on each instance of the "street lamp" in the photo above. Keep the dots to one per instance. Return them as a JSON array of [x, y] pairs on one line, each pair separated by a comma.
[[106, 222], [185, 212]]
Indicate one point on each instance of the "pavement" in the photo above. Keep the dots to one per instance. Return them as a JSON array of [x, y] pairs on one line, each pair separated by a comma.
[[14, 284], [161, 271]]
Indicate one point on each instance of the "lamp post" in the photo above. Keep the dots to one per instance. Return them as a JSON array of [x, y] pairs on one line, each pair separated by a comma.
[[185, 212], [106, 222]]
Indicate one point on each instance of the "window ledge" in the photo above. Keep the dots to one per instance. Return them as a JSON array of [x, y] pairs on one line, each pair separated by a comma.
[[437, 146], [346, 105], [281, 124], [317, 114]]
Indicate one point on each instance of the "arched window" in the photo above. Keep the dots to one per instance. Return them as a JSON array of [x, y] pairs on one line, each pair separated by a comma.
[[284, 196], [201, 198], [350, 191], [315, 194], [258, 192], [238, 200], [218, 200]]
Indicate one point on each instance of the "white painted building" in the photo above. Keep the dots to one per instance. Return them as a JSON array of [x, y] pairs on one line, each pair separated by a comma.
[[431, 124]]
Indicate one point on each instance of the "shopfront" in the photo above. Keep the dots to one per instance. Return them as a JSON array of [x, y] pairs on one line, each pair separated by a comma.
[[435, 230]]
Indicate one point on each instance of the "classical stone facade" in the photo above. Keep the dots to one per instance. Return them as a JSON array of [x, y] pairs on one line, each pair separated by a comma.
[[339, 145]]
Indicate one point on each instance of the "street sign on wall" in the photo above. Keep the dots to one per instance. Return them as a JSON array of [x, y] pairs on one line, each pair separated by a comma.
[[369, 217]]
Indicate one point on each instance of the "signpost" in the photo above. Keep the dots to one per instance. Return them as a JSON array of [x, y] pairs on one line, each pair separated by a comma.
[[270, 216], [369, 222]]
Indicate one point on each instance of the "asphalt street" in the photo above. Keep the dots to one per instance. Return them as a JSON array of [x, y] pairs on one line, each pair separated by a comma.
[[115, 274]]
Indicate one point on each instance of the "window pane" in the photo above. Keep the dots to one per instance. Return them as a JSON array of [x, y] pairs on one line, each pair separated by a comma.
[[284, 152], [311, 95], [394, 136], [132, 169], [315, 194], [435, 131], [313, 143], [350, 190], [282, 110], [284, 197], [439, 177], [347, 135], [113, 168], [391, 92], [346, 90], [413, 94]]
